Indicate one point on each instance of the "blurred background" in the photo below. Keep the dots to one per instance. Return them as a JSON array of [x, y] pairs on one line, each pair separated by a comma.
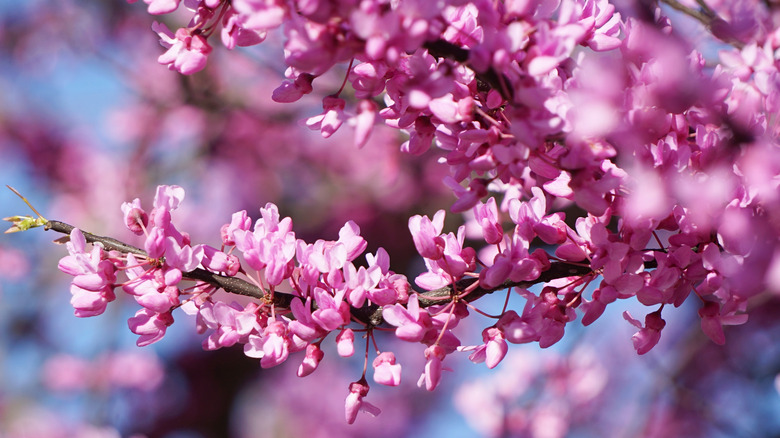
[[89, 119]]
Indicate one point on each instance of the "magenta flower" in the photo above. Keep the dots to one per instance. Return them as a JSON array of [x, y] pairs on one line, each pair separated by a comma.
[[648, 336], [311, 360], [355, 403], [187, 53], [235, 34], [602, 296], [513, 263], [345, 343], [426, 235], [150, 326], [136, 218], [231, 323], [493, 350], [239, 221], [469, 196], [713, 318], [411, 321], [431, 377], [157, 7], [332, 311], [304, 326], [272, 347], [331, 118], [386, 371], [518, 329], [487, 217], [93, 283]]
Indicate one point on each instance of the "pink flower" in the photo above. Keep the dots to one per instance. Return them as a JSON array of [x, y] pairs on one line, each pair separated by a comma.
[[487, 216], [311, 361], [331, 119], [304, 326], [349, 235], [234, 34], [513, 263], [602, 296], [332, 312], [239, 221], [431, 377], [517, 329], [345, 343], [150, 287], [386, 371], [467, 197], [364, 121], [261, 15], [231, 323], [291, 91], [157, 7], [136, 218], [187, 53], [93, 283], [412, 322], [713, 318], [355, 403], [494, 349], [649, 335], [219, 261], [426, 235], [272, 347], [150, 326]]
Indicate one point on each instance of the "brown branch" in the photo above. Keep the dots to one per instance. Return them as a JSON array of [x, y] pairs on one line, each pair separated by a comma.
[[369, 314], [708, 17], [229, 284], [491, 78]]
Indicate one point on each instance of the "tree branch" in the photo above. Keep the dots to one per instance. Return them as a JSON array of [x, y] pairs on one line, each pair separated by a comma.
[[445, 49], [369, 314], [715, 25]]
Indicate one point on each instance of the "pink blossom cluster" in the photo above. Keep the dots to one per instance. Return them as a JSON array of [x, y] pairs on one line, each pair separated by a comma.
[[320, 278], [667, 168]]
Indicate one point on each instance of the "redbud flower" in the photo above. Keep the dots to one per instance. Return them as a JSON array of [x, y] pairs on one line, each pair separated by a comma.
[[331, 118], [713, 318], [272, 348], [487, 216], [234, 34], [149, 325], [386, 371], [92, 286], [649, 335], [239, 221], [345, 343], [304, 326], [311, 361], [432, 374], [364, 121], [355, 403], [412, 322], [136, 218], [187, 53], [157, 7], [426, 235]]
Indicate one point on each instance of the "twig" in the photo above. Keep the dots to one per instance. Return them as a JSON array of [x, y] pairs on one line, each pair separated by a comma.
[[369, 314]]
